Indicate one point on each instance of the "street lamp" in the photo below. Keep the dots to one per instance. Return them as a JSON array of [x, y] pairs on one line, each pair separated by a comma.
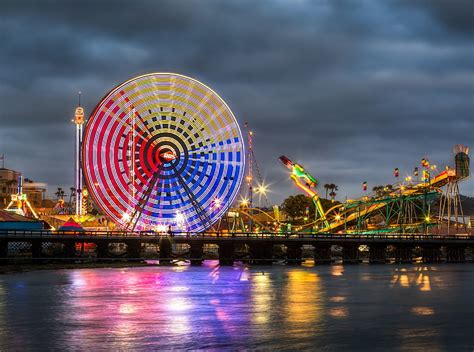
[[244, 202], [262, 189]]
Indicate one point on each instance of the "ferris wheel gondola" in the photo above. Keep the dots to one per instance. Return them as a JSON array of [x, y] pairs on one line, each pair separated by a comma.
[[163, 150]]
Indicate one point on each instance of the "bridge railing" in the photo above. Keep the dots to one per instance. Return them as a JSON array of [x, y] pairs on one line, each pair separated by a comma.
[[83, 235]]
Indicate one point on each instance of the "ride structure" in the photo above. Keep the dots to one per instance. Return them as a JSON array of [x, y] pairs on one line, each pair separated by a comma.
[[254, 184], [304, 181], [163, 152], [79, 122], [416, 205], [19, 203]]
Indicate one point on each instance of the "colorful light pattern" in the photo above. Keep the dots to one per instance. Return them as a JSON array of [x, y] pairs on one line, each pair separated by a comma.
[[159, 149], [297, 173]]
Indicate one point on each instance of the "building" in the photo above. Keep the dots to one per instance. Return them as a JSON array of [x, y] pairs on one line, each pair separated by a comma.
[[8, 185], [34, 191]]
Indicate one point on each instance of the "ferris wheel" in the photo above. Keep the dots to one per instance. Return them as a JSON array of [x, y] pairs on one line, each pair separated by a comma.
[[163, 151]]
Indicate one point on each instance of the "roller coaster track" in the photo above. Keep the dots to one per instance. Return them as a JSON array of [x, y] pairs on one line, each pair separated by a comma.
[[434, 184]]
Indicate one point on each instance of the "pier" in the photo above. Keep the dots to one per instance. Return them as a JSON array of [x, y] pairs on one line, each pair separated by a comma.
[[251, 248]]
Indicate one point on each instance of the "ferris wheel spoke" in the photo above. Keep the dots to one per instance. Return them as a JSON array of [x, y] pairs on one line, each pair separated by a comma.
[[200, 212], [145, 198], [217, 162]]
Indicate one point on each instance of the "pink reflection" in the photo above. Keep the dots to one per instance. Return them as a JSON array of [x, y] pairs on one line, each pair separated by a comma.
[[129, 306]]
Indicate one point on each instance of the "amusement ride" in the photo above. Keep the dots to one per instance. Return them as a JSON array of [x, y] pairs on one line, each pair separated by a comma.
[[163, 152], [418, 204]]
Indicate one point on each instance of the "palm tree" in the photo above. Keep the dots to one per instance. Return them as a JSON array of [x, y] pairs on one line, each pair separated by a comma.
[[333, 188], [71, 195], [60, 193], [327, 186]]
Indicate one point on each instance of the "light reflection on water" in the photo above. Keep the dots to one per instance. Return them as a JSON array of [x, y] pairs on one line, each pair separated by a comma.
[[336, 307]]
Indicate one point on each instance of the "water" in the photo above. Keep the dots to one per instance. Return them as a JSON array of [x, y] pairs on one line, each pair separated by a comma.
[[364, 307]]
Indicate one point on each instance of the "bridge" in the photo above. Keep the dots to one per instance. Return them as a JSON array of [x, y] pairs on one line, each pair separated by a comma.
[[252, 248]]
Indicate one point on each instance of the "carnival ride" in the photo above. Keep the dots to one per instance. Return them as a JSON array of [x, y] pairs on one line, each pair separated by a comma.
[[163, 151], [299, 175], [404, 207], [20, 204]]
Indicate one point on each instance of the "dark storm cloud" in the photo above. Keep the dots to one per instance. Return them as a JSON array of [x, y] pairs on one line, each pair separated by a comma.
[[349, 89], [454, 15]]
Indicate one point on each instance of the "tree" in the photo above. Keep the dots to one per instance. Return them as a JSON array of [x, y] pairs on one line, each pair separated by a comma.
[[328, 204], [332, 187], [327, 186], [72, 196], [60, 193], [382, 190], [295, 206]]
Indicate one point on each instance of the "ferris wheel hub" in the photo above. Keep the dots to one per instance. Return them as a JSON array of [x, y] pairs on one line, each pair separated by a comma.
[[167, 155]]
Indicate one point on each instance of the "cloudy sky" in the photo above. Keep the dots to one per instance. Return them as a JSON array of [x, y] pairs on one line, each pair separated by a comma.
[[350, 89]]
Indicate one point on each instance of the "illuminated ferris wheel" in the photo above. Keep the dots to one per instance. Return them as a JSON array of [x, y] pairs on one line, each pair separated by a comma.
[[163, 150]]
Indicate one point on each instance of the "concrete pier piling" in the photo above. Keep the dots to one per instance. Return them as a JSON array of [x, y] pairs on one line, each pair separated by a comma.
[[350, 254], [403, 254], [431, 254], [196, 253], [455, 254], [261, 253], [166, 251], [226, 254], [294, 254], [322, 254], [377, 254]]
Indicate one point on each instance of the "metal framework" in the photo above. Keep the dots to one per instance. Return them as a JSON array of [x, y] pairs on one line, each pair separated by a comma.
[[79, 122], [405, 207]]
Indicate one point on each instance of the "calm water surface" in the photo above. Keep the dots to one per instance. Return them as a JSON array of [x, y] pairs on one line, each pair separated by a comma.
[[377, 307]]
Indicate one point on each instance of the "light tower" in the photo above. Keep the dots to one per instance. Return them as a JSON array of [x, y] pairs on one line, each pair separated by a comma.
[[79, 122], [249, 177]]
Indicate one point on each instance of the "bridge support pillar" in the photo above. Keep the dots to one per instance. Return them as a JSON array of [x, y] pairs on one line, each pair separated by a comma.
[[69, 249], [350, 254], [322, 254], [3, 252], [226, 254], [101, 250], [261, 253], [294, 254], [377, 254], [165, 251], [403, 254], [455, 254], [196, 253], [134, 249], [430, 254], [36, 249]]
